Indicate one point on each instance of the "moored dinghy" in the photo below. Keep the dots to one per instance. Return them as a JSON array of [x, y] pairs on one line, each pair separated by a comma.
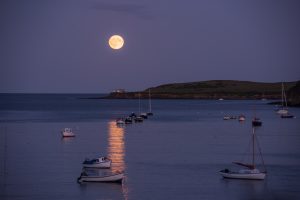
[[242, 118], [67, 132], [101, 162], [120, 121], [115, 177]]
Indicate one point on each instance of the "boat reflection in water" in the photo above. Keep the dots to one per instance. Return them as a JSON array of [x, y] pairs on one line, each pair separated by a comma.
[[116, 151]]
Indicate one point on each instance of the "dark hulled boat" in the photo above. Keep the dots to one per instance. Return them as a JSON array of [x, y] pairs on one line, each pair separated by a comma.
[[256, 122]]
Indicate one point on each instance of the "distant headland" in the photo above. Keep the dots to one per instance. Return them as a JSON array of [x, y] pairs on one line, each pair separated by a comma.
[[216, 89]]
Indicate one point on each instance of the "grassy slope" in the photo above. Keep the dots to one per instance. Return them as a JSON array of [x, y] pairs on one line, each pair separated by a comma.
[[214, 89], [222, 86]]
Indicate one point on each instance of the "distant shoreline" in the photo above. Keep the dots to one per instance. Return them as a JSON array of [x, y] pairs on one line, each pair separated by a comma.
[[214, 90], [186, 97]]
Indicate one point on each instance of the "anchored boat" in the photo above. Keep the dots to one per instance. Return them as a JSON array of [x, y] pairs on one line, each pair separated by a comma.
[[116, 177], [67, 132], [256, 122], [287, 116], [120, 121], [242, 118], [249, 171], [253, 174]]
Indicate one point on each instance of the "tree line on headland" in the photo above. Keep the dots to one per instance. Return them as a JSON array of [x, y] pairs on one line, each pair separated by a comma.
[[217, 89]]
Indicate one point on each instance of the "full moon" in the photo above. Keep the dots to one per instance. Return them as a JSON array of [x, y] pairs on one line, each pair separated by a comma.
[[116, 42]]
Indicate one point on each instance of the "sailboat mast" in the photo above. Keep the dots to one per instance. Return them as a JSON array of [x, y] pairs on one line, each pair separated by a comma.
[[139, 103], [282, 94], [150, 109], [253, 145]]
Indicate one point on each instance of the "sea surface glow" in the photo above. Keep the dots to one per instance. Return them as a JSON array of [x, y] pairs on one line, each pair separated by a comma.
[[175, 154]]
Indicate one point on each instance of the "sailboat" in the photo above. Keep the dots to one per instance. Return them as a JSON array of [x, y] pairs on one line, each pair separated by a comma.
[[249, 171], [150, 113], [283, 110]]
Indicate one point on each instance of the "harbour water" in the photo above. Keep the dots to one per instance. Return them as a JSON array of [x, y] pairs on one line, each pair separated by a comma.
[[175, 154]]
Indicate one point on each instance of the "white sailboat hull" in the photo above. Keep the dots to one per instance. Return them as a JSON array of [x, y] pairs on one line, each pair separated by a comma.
[[111, 178], [251, 176], [282, 111]]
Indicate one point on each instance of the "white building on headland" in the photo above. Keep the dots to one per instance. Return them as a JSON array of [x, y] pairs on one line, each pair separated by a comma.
[[119, 91]]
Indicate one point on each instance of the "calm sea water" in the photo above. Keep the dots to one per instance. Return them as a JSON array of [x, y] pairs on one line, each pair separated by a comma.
[[176, 154]]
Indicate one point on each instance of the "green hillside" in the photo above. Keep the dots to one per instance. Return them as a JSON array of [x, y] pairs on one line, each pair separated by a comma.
[[214, 89], [294, 95]]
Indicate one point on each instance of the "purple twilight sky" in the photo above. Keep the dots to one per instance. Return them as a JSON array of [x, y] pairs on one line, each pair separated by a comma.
[[60, 46]]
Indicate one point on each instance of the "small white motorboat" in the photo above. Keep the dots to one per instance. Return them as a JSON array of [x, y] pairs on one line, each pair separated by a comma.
[[120, 122], [116, 177], [242, 118], [101, 162], [67, 132]]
